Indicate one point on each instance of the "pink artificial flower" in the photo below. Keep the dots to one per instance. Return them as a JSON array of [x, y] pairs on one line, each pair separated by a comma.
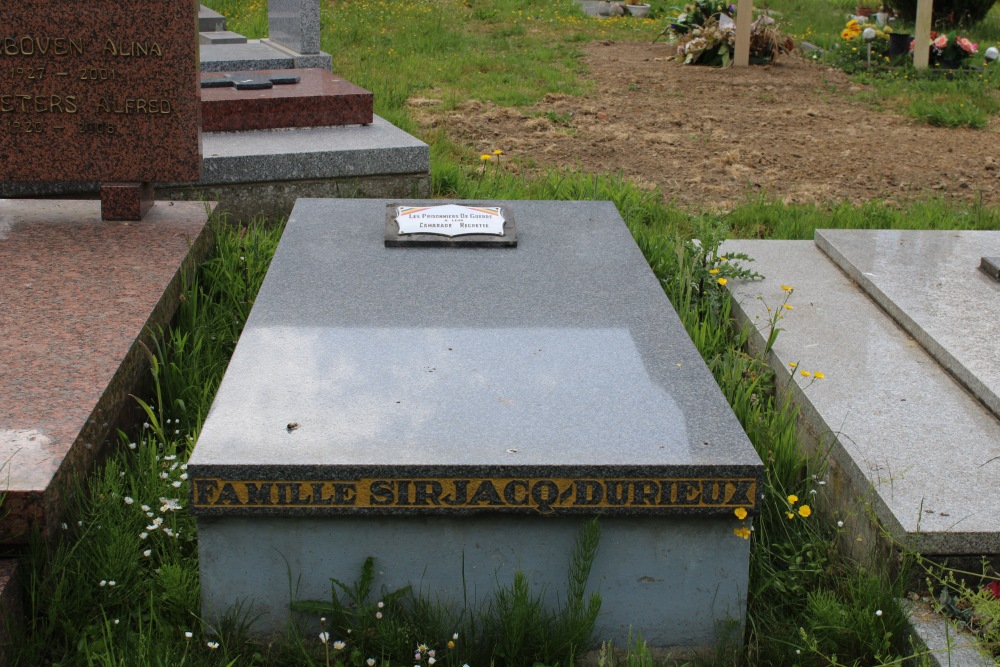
[[967, 46], [941, 42]]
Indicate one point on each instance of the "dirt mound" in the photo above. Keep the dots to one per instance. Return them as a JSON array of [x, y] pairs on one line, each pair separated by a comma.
[[708, 136]]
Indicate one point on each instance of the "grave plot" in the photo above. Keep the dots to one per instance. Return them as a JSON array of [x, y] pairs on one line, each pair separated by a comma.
[[442, 408]]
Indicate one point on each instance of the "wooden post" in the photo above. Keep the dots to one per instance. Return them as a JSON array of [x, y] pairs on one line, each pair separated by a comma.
[[922, 39], [744, 17]]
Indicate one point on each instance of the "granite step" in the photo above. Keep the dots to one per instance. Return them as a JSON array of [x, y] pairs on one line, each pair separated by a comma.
[[902, 432], [221, 37], [316, 99]]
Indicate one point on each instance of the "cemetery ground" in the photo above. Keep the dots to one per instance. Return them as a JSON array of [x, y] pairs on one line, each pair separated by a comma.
[[580, 110]]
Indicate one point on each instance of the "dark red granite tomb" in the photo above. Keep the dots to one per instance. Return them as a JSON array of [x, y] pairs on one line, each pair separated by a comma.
[[99, 90], [318, 99], [79, 298]]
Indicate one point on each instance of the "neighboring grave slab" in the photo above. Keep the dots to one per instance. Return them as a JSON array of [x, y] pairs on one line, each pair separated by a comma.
[[310, 98], [900, 431], [91, 94], [80, 299], [930, 282], [422, 405]]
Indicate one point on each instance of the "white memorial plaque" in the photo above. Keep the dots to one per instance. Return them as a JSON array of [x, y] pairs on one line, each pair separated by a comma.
[[450, 220], [470, 225]]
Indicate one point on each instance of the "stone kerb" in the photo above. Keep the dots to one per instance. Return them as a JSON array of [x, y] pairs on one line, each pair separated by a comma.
[[99, 90]]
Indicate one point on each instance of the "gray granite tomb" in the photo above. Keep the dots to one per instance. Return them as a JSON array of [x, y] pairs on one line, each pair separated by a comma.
[[434, 407]]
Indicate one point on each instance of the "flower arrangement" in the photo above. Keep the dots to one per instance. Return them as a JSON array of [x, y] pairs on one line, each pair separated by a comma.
[[950, 47], [705, 33], [852, 33]]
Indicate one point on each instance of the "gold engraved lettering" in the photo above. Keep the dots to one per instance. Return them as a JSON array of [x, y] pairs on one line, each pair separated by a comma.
[[542, 495], [132, 49], [28, 45], [129, 107], [37, 104]]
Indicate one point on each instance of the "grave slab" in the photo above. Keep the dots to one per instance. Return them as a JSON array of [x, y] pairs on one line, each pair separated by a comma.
[[441, 401], [79, 297], [930, 282], [899, 428], [89, 100], [318, 99]]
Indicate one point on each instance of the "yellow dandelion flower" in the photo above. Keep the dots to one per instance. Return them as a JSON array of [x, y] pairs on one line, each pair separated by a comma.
[[498, 152], [743, 532], [722, 281], [787, 288], [793, 499], [740, 513], [723, 259], [713, 271], [787, 307], [793, 364], [805, 511], [790, 515], [805, 374], [818, 375], [484, 157]]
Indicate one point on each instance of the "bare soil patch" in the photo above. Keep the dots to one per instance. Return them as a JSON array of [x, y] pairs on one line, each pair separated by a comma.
[[794, 131]]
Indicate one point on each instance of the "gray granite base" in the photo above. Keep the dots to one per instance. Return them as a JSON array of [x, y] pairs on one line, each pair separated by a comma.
[[264, 171], [675, 581], [426, 405]]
